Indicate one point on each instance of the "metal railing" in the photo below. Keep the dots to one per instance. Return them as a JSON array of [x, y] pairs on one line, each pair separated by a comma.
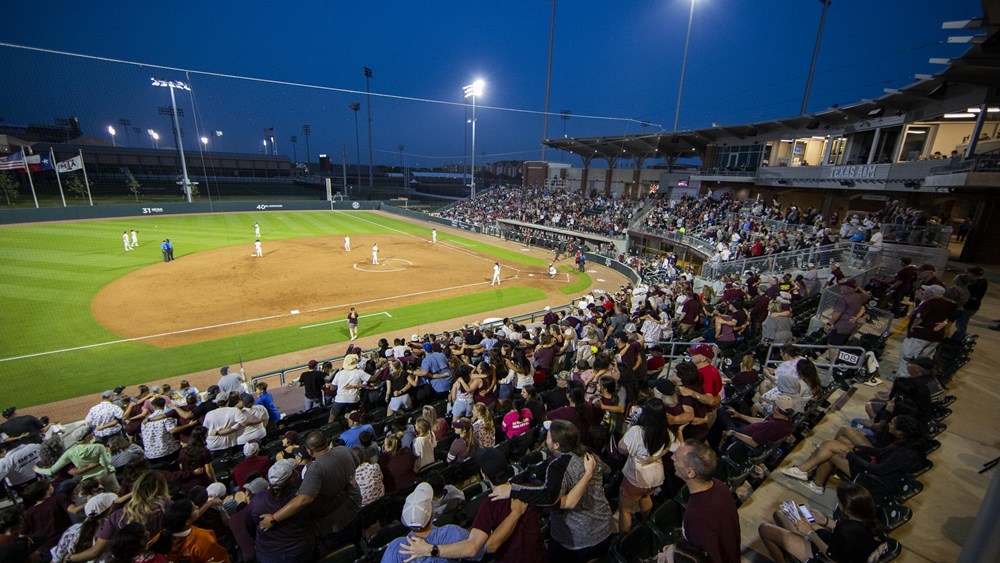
[[876, 321], [845, 357], [923, 235]]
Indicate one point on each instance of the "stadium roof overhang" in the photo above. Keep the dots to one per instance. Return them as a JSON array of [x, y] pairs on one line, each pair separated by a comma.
[[967, 80]]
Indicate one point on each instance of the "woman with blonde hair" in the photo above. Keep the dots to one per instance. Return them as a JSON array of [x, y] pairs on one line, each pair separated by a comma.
[[439, 426], [483, 427], [423, 444], [146, 506]]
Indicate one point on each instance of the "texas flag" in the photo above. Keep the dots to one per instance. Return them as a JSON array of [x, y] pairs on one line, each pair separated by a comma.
[[38, 163]]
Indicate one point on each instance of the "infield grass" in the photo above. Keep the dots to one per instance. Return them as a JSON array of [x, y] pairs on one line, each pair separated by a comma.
[[50, 273]]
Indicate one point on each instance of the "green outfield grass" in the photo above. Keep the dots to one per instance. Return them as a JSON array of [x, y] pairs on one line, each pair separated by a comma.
[[50, 273]]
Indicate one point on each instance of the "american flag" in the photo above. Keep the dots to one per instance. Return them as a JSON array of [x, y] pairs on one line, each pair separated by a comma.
[[12, 162]]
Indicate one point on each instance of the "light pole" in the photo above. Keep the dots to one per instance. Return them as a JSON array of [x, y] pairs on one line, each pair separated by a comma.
[[204, 143], [125, 123], [680, 89], [548, 79], [368, 77], [171, 84], [295, 152], [356, 107], [111, 131], [473, 91], [307, 130], [155, 137], [218, 139], [812, 67]]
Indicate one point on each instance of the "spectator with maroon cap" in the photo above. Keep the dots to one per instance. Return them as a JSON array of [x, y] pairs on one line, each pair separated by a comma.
[[902, 286], [711, 379], [711, 522]]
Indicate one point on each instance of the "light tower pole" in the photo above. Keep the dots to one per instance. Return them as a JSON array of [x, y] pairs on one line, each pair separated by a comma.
[[171, 84], [368, 77], [473, 91]]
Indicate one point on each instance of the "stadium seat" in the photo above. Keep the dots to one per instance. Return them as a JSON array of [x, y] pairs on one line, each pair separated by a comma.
[[637, 545], [378, 542], [666, 521], [347, 554]]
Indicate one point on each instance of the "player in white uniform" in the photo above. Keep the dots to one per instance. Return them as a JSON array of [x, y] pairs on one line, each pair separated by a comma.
[[135, 238], [496, 274], [257, 249], [434, 236], [347, 244], [125, 240], [256, 230], [375, 254], [552, 271]]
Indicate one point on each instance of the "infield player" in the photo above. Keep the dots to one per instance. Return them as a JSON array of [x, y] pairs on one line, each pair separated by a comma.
[[347, 244], [258, 251], [128, 246], [135, 238], [256, 230], [375, 254], [552, 271], [496, 274], [352, 323], [434, 236]]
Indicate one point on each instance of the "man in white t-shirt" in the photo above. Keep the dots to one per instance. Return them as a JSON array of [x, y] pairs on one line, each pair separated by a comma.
[[874, 247], [222, 424], [18, 466], [348, 383]]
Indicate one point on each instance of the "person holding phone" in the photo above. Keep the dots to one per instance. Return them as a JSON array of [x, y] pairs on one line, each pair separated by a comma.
[[851, 539]]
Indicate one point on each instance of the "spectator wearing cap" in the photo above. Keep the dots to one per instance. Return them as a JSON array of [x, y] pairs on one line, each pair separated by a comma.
[[208, 404], [754, 431], [253, 462], [293, 539], [556, 397], [223, 424], [434, 370], [347, 383], [847, 313], [328, 493], [232, 382], [20, 429], [580, 525], [927, 275], [928, 322], [418, 516], [508, 529], [240, 524], [313, 380], [90, 461], [711, 380], [106, 418], [465, 443], [352, 436], [80, 537], [711, 522]]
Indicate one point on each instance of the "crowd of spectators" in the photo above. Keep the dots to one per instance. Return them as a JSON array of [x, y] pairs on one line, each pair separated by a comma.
[[593, 213]]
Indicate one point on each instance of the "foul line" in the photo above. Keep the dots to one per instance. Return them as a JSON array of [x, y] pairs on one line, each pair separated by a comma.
[[345, 320]]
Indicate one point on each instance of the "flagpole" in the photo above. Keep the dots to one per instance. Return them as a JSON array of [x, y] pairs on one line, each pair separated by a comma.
[[84, 166], [24, 161], [55, 166]]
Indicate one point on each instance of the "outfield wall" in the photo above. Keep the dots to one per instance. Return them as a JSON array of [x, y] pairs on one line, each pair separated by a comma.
[[74, 213]]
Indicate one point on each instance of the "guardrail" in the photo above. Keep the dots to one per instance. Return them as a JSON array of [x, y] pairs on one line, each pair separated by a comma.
[[845, 357]]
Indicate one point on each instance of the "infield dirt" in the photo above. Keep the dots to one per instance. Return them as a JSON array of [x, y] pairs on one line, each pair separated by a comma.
[[230, 291]]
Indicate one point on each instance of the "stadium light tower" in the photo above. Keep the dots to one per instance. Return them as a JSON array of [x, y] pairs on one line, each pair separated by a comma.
[[812, 66], [112, 132], [155, 137], [172, 84], [680, 89], [473, 91]]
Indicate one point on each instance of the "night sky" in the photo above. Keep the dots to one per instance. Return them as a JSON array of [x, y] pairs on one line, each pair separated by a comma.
[[748, 61]]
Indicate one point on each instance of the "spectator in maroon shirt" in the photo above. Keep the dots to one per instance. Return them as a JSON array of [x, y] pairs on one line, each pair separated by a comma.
[[252, 462], [774, 428], [47, 514], [397, 465], [710, 520]]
